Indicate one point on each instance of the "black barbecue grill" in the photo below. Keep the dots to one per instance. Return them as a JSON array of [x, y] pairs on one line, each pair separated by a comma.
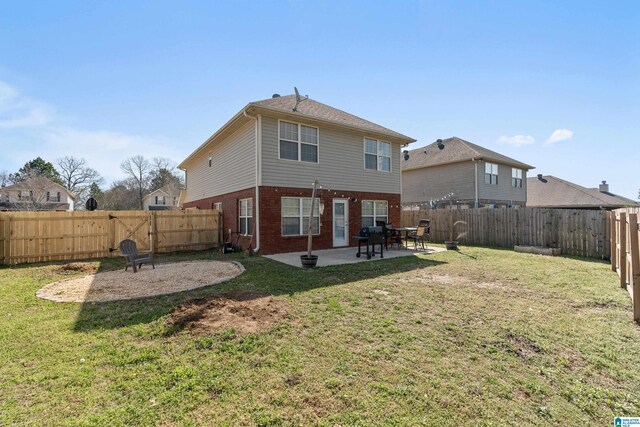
[[370, 236]]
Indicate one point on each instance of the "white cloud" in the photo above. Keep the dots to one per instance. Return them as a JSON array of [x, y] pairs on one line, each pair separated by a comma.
[[559, 135], [31, 121], [18, 111], [517, 140], [105, 150]]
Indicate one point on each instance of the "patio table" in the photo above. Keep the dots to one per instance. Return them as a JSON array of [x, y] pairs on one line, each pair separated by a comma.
[[406, 231]]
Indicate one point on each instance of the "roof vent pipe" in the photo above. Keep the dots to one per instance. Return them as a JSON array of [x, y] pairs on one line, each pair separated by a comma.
[[604, 187], [540, 176]]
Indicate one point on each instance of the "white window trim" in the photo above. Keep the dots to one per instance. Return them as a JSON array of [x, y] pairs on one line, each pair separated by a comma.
[[299, 142], [364, 156], [249, 215], [488, 173], [375, 213], [515, 171], [217, 206], [299, 216]]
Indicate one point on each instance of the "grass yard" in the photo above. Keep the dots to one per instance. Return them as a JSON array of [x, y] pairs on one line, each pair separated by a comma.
[[476, 337]]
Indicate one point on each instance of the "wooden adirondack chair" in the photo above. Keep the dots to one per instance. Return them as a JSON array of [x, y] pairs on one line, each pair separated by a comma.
[[129, 250]]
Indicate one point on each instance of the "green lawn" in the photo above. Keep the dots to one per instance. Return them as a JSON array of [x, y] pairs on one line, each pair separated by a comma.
[[475, 337]]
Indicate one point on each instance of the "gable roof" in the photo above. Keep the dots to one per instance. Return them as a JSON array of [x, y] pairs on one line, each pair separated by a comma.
[[549, 191], [455, 150], [309, 109], [317, 110], [37, 183]]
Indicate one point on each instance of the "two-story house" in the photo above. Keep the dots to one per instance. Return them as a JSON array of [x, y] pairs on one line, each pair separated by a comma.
[[454, 172], [36, 194], [259, 169], [162, 199]]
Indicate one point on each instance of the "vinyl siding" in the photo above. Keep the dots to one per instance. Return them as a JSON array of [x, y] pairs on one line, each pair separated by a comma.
[[233, 166], [504, 190], [340, 163], [426, 184]]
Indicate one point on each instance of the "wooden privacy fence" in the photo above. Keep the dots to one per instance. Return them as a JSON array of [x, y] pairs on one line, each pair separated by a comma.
[[625, 254], [576, 232], [53, 236]]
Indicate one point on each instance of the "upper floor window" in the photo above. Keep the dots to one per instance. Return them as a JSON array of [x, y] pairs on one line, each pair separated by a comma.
[[298, 142], [374, 210], [58, 197], [491, 173], [516, 178], [160, 200], [377, 155], [295, 216], [245, 209], [48, 196]]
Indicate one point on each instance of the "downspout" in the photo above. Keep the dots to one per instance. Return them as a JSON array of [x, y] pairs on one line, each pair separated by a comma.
[[258, 133], [475, 162]]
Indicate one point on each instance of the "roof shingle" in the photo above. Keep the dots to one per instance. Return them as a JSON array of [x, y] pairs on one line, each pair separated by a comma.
[[455, 150], [549, 191], [314, 109]]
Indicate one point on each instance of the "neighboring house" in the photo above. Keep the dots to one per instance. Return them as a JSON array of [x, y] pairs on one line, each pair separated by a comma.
[[550, 192], [259, 169], [36, 194], [454, 172], [161, 200]]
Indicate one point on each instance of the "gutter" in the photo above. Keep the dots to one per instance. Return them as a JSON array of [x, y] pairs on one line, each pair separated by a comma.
[[475, 162], [258, 133]]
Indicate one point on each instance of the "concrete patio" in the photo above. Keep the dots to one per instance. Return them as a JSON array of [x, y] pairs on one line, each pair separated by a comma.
[[341, 256]]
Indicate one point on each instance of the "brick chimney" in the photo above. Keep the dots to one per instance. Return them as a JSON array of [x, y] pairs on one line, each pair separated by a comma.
[[604, 187]]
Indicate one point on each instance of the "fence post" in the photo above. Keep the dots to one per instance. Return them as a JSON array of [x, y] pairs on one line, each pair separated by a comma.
[[112, 234], [7, 239], [634, 277], [153, 238], [614, 242], [622, 261]]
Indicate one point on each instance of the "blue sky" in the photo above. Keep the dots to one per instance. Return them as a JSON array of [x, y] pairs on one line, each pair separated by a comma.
[[553, 84]]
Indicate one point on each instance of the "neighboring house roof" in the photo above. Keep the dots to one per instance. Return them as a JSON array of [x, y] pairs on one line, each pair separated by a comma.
[[40, 183], [310, 109], [549, 191], [455, 150]]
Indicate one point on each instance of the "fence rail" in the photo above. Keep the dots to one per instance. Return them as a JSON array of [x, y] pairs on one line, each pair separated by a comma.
[[55, 236], [625, 253], [584, 233]]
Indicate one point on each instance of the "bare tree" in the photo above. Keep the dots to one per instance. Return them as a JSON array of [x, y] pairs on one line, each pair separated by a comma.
[[4, 178], [120, 196], [137, 169], [77, 176]]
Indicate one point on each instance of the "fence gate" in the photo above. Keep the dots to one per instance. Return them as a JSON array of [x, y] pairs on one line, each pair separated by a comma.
[[134, 225]]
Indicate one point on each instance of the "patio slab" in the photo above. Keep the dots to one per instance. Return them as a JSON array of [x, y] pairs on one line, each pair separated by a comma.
[[341, 256]]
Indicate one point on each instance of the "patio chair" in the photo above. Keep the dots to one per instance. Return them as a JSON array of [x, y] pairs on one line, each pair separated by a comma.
[[420, 236], [392, 237], [129, 250]]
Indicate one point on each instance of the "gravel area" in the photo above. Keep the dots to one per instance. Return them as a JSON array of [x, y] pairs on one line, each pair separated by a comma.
[[119, 285]]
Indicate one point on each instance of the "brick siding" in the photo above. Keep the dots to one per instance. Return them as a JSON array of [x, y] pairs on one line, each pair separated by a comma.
[[271, 239]]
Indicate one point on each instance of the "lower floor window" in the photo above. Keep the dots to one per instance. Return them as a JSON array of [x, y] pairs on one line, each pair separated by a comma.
[[246, 215], [374, 210], [295, 216]]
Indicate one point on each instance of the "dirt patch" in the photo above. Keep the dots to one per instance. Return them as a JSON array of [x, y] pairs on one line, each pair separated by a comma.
[[244, 312], [117, 285], [523, 346], [76, 267]]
